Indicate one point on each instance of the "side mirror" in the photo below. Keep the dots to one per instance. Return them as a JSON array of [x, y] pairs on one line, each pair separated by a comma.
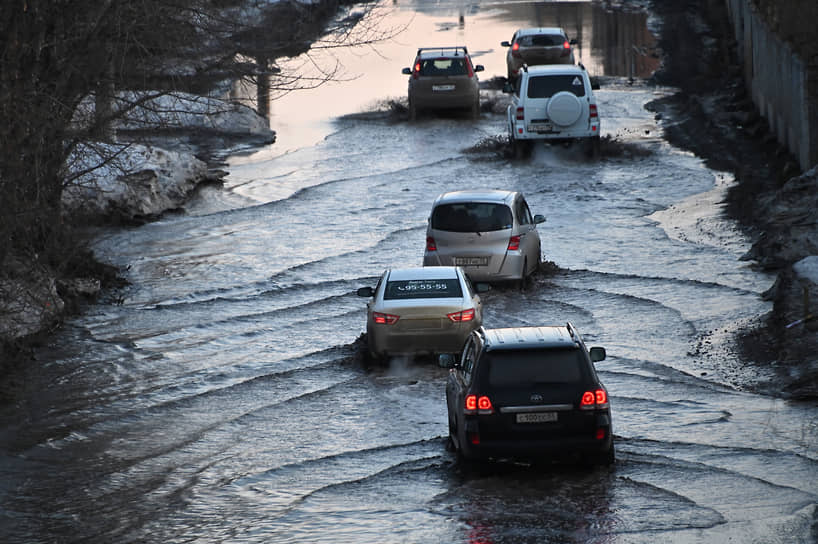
[[365, 292], [597, 354], [407, 71], [508, 87], [479, 68], [594, 84], [447, 360], [505, 44], [573, 41], [539, 218], [482, 287]]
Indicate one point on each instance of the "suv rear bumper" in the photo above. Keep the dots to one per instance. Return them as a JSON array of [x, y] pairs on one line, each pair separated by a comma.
[[561, 448]]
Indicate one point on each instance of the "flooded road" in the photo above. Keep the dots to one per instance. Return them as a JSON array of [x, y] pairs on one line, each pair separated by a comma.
[[223, 398]]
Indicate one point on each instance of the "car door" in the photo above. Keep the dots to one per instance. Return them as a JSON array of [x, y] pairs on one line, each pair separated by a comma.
[[458, 383], [529, 236]]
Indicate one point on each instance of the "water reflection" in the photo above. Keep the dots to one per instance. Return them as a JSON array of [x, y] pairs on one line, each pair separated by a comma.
[[548, 503], [610, 42]]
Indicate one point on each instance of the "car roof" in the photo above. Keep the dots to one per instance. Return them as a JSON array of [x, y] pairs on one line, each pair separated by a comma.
[[555, 69], [437, 52], [530, 338], [423, 273], [540, 30], [476, 195]]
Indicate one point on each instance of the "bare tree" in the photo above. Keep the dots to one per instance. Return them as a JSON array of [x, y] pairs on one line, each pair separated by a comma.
[[56, 54]]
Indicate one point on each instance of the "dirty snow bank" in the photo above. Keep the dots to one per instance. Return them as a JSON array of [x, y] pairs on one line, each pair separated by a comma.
[[141, 182]]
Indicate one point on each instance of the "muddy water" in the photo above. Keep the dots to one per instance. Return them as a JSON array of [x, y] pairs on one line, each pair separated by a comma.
[[222, 399]]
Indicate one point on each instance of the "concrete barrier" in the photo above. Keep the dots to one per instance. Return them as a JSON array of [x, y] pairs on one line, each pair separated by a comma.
[[783, 84]]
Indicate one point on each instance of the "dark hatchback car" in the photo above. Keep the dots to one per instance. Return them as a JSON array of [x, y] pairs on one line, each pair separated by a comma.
[[528, 393]]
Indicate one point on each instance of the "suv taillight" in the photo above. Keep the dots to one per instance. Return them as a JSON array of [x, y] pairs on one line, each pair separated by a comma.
[[384, 319], [477, 405], [597, 399], [430, 244], [465, 315], [520, 113], [514, 243], [592, 111]]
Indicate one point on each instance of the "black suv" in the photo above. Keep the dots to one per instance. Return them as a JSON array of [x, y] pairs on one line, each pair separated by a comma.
[[529, 393]]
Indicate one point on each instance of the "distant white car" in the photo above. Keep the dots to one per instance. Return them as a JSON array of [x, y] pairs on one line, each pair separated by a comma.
[[414, 311], [491, 234], [553, 103]]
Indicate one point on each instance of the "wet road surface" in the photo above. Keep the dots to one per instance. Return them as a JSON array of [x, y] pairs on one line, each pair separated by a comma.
[[224, 398]]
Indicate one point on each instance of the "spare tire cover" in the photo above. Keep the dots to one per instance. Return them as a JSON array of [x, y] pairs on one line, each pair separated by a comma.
[[564, 109]]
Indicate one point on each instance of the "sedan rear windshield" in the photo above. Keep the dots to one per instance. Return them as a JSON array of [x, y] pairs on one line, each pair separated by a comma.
[[541, 40], [472, 217], [404, 289], [526, 367], [548, 86]]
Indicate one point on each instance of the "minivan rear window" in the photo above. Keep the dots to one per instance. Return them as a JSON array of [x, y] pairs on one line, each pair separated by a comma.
[[404, 289], [472, 217], [548, 86], [525, 367]]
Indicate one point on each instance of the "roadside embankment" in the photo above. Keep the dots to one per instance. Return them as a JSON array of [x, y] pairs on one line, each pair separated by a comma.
[[772, 200]]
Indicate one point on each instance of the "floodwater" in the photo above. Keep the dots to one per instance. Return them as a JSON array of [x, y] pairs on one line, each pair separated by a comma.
[[221, 396]]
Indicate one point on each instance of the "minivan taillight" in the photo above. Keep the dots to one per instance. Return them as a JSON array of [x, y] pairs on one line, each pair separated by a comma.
[[430, 244], [514, 243], [465, 315], [478, 405], [520, 114], [384, 319]]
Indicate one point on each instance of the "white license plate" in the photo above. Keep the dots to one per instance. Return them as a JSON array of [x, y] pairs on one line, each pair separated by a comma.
[[537, 417], [442, 87], [540, 127], [471, 261]]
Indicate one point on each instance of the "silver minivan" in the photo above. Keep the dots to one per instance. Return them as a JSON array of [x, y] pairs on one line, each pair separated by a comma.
[[490, 234]]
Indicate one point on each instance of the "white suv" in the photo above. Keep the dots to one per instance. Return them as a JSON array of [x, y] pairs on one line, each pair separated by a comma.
[[555, 103]]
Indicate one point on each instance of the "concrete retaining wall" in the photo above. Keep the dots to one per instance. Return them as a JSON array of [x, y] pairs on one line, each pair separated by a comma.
[[783, 85]]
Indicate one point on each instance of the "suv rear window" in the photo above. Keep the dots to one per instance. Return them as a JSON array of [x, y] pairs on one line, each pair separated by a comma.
[[541, 40], [396, 290], [525, 367], [443, 67], [548, 86], [472, 217]]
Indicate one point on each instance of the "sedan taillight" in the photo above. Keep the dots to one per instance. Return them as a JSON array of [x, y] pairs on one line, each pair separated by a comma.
[[458, 317], [514, 243], [430, 244], [384, 319]]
